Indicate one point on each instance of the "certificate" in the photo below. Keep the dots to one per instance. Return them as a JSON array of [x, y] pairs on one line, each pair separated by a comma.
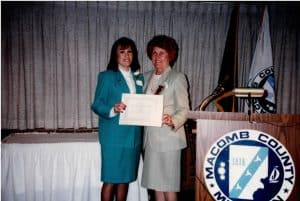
[[142, 110]]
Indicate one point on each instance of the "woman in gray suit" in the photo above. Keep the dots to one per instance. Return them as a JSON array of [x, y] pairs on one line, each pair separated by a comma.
[[163, 145]]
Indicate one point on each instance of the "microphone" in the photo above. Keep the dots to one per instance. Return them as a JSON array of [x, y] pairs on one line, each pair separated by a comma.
[[218, 91], [221, 87]]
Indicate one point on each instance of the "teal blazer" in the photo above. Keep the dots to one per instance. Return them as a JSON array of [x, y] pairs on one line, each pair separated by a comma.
[[110, 87]]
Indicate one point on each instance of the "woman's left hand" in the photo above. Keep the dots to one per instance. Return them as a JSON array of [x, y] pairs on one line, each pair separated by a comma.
[[119, 107], [167, 119]]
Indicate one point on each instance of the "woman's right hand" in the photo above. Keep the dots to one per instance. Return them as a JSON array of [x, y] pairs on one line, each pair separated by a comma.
[[119, 107]]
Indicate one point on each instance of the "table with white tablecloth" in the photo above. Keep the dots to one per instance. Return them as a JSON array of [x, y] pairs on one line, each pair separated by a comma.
[[55, 167]]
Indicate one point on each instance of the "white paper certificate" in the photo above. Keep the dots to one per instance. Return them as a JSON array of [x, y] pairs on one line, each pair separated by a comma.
[[142, 110]]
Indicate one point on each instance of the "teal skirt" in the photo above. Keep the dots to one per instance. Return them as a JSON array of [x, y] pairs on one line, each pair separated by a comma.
[[119, 164]]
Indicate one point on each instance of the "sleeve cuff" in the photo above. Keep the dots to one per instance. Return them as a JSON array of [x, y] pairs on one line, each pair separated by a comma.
[[112, 113]]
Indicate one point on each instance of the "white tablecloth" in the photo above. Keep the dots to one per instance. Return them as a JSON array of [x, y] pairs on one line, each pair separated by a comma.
[[55, 167]]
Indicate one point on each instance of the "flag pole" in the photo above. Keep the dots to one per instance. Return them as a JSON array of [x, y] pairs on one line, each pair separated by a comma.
[[234, 100]]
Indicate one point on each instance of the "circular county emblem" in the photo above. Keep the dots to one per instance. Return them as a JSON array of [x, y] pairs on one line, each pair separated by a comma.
[[248, 165], [264, 79]]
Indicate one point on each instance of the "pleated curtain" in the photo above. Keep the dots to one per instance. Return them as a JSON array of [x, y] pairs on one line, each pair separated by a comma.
[[51, 52]]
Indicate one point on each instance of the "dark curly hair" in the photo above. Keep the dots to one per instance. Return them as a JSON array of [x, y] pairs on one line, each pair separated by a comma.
[[123, 43], [165, 42]]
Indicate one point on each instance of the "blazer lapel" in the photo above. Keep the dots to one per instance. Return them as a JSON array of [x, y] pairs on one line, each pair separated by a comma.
[[121, 82], [162, 80], [138, 84], [147, 80]]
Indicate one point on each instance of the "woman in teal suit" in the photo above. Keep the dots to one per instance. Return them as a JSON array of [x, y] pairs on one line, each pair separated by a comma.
[[120, 144]]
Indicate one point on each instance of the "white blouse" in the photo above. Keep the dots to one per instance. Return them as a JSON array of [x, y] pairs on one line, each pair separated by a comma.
[[129, 80]]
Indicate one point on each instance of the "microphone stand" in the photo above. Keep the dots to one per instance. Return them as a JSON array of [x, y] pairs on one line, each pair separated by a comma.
[[216, 93], [250, 109]]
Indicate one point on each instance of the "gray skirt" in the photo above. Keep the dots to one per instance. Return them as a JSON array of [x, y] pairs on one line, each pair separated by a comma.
[[161, 171]]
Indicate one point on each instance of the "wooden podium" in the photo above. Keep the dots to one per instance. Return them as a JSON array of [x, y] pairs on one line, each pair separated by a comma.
[[213, 125]]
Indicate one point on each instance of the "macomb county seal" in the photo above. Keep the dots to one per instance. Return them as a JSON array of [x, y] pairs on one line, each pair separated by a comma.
[[264, 79], [246, 165]]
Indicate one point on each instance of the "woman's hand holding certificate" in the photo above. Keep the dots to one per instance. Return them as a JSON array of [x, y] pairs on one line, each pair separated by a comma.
[[142, 109]]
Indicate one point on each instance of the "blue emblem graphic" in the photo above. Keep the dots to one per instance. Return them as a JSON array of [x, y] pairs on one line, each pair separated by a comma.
[[249, 165], [246, 171], [265, 79]]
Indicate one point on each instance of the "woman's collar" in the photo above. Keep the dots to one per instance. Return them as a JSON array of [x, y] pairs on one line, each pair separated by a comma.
[[123, 71]]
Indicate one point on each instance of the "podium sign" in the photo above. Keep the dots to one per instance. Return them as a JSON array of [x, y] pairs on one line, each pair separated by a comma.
[[269, 139], [248, 165]]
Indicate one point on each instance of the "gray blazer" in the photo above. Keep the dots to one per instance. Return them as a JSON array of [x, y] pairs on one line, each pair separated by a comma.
[[176, 104]]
